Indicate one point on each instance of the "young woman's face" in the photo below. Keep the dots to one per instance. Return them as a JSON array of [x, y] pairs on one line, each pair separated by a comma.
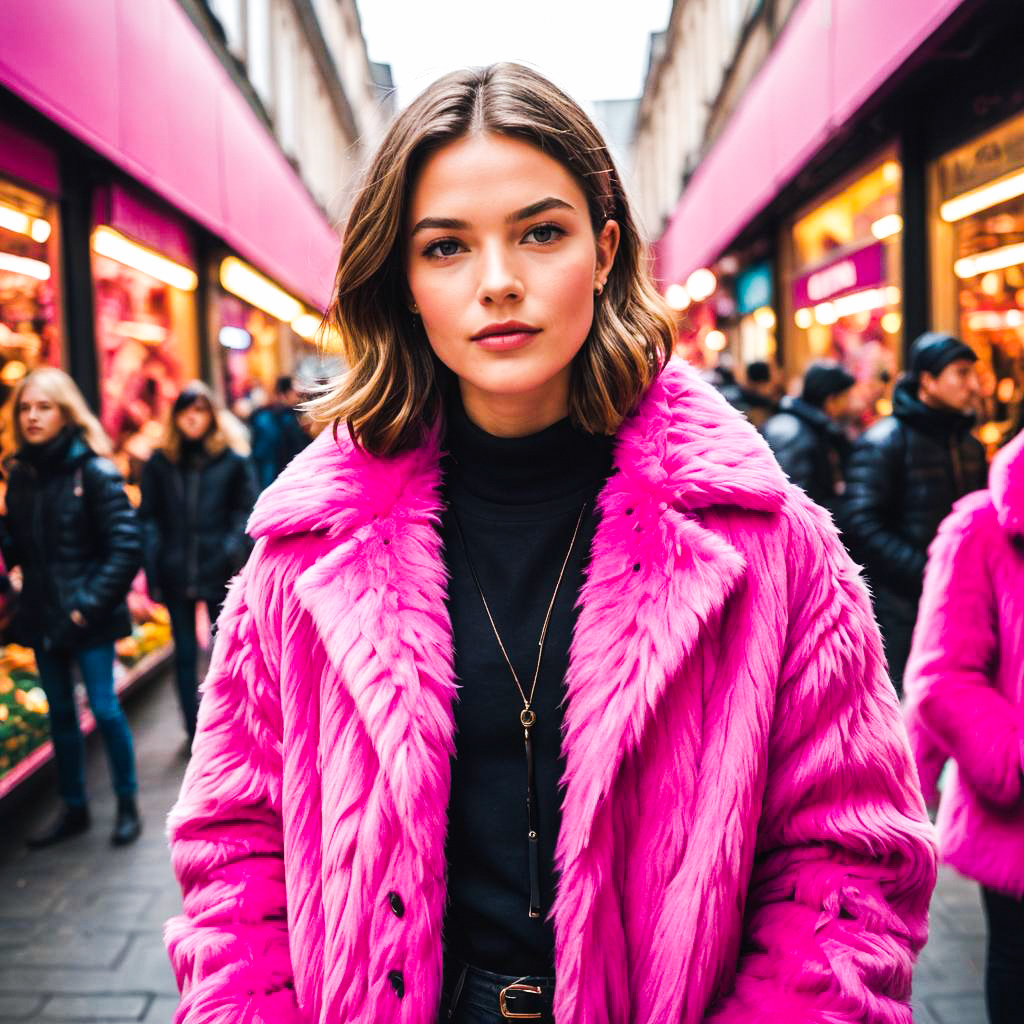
[[39, 416], [194, 421], [502, 265]]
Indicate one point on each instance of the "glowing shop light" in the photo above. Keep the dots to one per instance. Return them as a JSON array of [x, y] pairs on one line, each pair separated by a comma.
[[764, 317], [887, 226], [995, 259], [716, 341], [991, 283], [804, 318], [892, 295], [21, 223], [240, 279], [677, 297], [891, 323], [305, 325], [1014, 318], [13, 371], [982, 198], [825, 313], [701, 284], [891, 172], [108, 242], [238, 339], [24, 266], [883, 407], [860, 302], [990, 433], [1006, 389]]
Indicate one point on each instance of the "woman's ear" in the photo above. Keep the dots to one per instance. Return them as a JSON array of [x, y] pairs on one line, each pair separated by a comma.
[[607, 247]]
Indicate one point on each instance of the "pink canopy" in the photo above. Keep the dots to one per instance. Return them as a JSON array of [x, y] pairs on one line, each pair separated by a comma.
[[830, 59], [139, 84]]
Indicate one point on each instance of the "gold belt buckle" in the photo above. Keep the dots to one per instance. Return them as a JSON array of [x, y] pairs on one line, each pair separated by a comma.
[[517, 987]]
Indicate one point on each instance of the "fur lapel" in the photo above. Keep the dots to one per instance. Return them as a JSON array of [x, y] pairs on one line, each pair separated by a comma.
[[657, 575]]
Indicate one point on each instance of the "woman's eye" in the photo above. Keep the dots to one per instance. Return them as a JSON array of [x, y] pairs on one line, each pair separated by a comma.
[[443, 247], [544, 234]]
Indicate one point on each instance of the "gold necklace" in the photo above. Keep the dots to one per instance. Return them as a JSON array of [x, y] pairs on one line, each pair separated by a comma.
[[527, 717]]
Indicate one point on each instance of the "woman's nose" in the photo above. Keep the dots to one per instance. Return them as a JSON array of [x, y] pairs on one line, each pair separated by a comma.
[[499, 281]]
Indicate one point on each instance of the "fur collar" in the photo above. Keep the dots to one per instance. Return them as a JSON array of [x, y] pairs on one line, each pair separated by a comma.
[[1006, 485], [376, 590]]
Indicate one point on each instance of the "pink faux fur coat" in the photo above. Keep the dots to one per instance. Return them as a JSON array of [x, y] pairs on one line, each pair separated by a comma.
[[743, 836], [965, 678]]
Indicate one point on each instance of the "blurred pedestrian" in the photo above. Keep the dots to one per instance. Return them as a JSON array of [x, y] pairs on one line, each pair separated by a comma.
[[73, 532], [965, 701], [197, 493], [277, 433], [808, 434], [633, 600], [903, 477], [761, 393]]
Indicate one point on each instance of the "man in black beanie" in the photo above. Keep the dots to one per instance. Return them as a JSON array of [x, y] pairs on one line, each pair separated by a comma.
[[904, 476], [807, 433]]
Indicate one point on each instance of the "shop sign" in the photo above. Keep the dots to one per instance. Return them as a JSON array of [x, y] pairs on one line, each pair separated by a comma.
[[994, 155], [754, 289], [853, 272]]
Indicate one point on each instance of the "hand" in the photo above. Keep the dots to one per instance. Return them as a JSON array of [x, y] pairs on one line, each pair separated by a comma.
[[78, 619]]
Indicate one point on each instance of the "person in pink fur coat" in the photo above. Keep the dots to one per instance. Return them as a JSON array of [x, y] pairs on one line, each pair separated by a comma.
[[965, 701], [544, 695]]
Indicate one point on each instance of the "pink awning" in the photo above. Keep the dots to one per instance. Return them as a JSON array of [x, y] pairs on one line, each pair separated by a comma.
[[138, 83], [830, 58]]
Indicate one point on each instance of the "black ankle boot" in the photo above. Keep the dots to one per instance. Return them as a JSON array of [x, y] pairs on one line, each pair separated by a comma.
[[72, 821], [128, 826]]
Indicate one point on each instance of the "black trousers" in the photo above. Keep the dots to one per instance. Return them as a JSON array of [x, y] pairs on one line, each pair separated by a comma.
[[186, 652], [1004, 970]]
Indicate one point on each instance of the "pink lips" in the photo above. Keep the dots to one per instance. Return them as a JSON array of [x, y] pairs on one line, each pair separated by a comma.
[[505, 336]]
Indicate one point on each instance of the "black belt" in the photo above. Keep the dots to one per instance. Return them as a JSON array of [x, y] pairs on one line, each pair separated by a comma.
[[506, 996]]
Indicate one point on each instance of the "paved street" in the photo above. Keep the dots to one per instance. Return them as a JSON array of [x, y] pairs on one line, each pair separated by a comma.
[[80, 924]]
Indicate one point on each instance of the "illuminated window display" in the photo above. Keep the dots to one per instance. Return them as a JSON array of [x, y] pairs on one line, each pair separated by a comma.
[[30, 328], [146, 340], [978, 247], [844, 293]]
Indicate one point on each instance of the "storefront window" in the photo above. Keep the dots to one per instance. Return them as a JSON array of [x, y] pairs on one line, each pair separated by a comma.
[[146, 341], [844, 293], [978, 236], [30, 328]]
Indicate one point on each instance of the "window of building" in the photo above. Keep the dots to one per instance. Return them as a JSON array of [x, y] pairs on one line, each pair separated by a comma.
[[843, 269], [978, 270]]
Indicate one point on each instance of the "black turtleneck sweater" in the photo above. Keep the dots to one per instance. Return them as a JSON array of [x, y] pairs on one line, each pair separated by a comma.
[[518, 501]]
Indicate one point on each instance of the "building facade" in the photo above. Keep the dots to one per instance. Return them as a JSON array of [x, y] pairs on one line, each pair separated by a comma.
[[820, 187]]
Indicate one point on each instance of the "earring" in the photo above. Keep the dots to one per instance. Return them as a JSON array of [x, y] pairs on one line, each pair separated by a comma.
[[599, 287], [414, 309]]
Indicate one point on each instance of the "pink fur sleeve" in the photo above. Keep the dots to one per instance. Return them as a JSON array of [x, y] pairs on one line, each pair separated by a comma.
[[950, 678], [230, 946], [846, 861]]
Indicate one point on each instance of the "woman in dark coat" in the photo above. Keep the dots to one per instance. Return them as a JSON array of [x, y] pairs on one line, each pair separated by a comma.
[[73, 532], [197, 492]]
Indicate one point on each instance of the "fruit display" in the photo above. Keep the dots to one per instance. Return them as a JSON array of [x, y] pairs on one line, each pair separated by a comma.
[[24, 714]]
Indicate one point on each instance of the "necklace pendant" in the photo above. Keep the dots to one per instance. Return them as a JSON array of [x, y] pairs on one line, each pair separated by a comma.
[[527, 718]]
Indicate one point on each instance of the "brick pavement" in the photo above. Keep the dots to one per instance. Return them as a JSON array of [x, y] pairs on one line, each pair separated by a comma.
[[80, 924]]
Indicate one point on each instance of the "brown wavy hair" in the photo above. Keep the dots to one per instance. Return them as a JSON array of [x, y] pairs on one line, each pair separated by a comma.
[[393, 387]]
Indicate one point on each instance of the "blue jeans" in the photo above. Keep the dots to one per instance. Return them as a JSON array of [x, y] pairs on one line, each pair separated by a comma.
[[186, 653], [96, 664]]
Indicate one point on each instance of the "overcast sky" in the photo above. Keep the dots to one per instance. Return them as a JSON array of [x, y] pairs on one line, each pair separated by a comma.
[[594, 49]]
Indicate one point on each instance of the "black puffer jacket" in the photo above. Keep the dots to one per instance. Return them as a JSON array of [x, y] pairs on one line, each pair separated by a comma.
[[194, 513], [71, 528], [810, 447], [901, 481]]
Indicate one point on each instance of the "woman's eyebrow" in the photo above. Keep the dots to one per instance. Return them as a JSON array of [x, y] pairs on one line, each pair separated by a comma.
[[453, 224]]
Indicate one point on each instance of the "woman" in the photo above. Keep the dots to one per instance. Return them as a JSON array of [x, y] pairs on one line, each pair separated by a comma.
[[965, 701], [405, 655], [197, 493], [71, 528]]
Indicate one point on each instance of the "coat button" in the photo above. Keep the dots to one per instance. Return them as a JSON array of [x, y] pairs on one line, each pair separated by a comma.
[[397, 983], [396, 904]]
